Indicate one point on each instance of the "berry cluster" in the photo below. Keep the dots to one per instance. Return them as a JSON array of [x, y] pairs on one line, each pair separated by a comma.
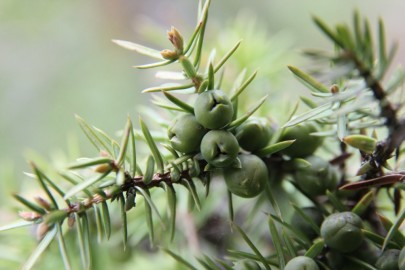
[[207, 132]]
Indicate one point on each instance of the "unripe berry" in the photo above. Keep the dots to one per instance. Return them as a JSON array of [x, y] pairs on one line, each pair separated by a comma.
[[318, 178], [401, 259], [213, 109], [249, 180], [388, 260], [185, 134], [305, 144], [301, 263], [342, 231], [219, 148], [254, 134]]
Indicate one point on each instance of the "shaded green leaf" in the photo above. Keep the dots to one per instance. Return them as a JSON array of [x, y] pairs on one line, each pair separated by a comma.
[[87, 162], [29, 264], [99, 223], [274, 148], [168, 87], [29, 204], [179, 259], [308, 80], [106, 219], [124, 142], [245, 84], [171, 201], [251, 111], [278, 244], [124, 220], [315, 249], [90, 133], [150, 169], [230, 206], [328, 32], [308, 115], [307, 218], [84, 252], [15, 225], [138, 48], [361, 263], [301, 238], [336, 201], [252, 246], [226, 57], [361, 207], [44, 186], [394, 229], [191, 188], [145, 193], [62, 248], [83, 185], [379, 240], [181, 104], [152, 146]]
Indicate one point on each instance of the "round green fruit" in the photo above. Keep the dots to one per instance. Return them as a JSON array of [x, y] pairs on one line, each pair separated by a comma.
[[302, 225], [338, 261], [316, 179], [213, 109], [305, 144], [185, 134], [388, 260], [401, 259], [342, 231], [254, 134], [219, 148], [301, 263], [249, 180]]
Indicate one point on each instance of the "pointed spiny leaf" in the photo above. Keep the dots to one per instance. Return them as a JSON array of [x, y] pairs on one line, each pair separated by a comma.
[[171, 201], [45, 242], [91, 134], [315, 249], [361, 207], [150, 169], [124, 220], [124, 143], [308, 80], [211, 80], [278, 244], [328, 32], [191, 188], [63, 249], [394, 229], [88, 162], [84, 185], [245, 84], [39, 175], [274, 148], [15, 225], [251, 111], [152, 145], [138, 48], [252, 246], [226, 57], [29, 204], [179, 259], [308, 115], [181, 104], [106, 219], [145, 193]]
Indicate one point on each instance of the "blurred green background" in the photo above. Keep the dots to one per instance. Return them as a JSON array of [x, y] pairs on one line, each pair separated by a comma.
[[57, 60]]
